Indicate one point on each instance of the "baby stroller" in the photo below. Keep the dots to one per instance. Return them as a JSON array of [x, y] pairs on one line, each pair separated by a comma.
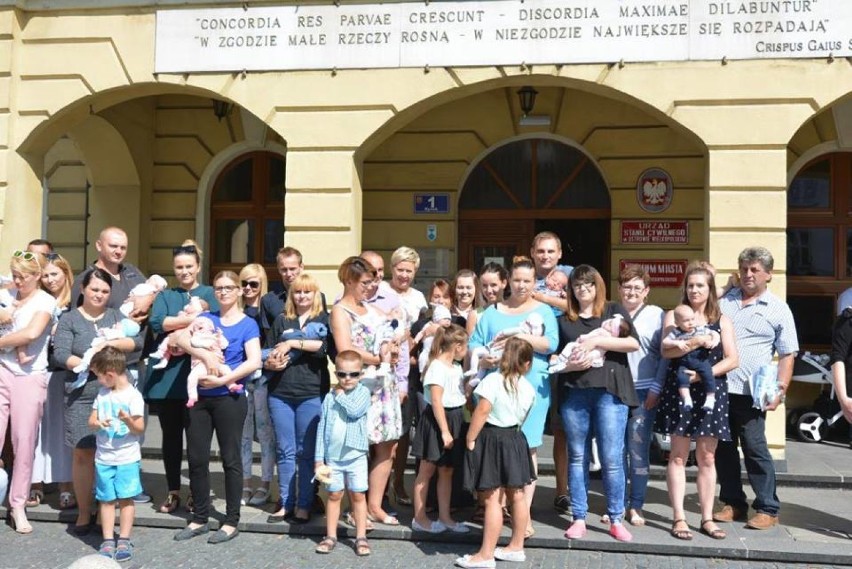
[[811, 425]]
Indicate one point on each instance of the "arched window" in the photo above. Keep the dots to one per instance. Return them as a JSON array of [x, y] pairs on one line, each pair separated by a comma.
[[247, 213], [819, 244]]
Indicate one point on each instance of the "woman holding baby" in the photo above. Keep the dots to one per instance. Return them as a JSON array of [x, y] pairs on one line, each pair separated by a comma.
[[354, 323], [706, 427], [221, 407], [297, 370], [74, 334], [596, 395], [165, 389], [512, 313]]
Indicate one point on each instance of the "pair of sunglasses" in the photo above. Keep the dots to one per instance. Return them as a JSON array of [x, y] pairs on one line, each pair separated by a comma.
[[251, 284], [26, 255], [347, 374]]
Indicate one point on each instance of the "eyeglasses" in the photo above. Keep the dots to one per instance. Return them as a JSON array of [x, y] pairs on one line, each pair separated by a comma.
[[223, 289], [581, 286], [251, 284], [184, 249], [347, 374]]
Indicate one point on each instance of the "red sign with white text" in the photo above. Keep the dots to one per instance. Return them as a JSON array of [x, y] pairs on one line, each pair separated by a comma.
[[663, 272], [654, 232]]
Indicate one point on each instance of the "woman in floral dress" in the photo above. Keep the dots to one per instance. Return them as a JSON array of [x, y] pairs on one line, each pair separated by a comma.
[[354, 325]]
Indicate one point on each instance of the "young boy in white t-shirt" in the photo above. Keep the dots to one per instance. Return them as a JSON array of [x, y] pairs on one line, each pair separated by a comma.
[[118, 417]]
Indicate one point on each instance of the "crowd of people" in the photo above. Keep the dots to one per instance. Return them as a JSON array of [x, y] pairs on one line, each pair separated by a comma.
[[468, 377]]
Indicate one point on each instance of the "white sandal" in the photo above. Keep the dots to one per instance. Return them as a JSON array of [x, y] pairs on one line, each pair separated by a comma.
[[247, 495], [260, 497]]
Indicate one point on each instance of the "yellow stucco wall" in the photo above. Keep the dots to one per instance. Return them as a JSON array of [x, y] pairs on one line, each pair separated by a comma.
[[357, 140]]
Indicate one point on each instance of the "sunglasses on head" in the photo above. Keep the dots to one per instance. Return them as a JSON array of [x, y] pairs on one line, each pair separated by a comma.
[[251, 284], [26, 256], [184, 249], [52, 256], [347, 374]]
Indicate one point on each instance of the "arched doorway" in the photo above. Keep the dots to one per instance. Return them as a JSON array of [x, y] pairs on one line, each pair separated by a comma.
[[531, 185], [819, 244], [247, 213]]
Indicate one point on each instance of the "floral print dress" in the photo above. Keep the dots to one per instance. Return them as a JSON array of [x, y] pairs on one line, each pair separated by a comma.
[[384, 419]]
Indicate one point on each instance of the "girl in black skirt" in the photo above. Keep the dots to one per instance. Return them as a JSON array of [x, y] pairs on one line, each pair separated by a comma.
[[498, 456], [437, 444]]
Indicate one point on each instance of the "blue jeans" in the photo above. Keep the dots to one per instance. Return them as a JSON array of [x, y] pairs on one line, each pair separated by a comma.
[[295, 423], [582, 411], [748, 428], [640, 426]]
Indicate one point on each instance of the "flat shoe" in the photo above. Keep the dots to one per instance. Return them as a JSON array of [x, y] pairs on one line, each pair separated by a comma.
[[326, 545], [221, 536], [619, 532], [716, 533], [349, 519], [259, 497], [67, 501], [388, 520], [188, 532], [458, 527], [577, 530], [466, 563], [682, 534], [170, 504], [434, 527], [516, 556], [635, 518], [35, 499], [276, 518]]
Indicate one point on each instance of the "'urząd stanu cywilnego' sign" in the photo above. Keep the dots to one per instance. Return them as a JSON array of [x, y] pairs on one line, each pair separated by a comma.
[[497, 33]]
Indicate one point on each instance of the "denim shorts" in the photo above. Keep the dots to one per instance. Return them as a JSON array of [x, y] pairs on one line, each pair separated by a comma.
[[117, 482], [349, 474]]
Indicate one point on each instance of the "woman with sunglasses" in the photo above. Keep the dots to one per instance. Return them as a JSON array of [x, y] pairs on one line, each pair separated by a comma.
[[253, 283], [165, 389], [595, 398], [219, 409], [353, 324], [74, 334], [297, 384], [23, 387], [52, 457]]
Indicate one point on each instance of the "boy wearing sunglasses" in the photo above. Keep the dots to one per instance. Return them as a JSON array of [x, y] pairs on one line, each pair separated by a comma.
[[341, 450]]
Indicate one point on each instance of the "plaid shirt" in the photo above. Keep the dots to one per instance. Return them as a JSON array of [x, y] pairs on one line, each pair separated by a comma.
[[355, 404]]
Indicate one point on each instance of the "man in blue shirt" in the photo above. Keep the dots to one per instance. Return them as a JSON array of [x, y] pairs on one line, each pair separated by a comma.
[[763, 326]]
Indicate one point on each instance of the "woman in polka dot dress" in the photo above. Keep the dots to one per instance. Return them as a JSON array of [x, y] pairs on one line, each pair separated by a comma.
[[705, 427]]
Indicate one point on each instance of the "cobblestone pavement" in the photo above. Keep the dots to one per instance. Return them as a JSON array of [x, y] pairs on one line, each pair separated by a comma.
[[51, 546]]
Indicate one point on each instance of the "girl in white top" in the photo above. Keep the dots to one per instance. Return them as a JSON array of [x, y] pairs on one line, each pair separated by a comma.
[[499, 456], [438, 443]]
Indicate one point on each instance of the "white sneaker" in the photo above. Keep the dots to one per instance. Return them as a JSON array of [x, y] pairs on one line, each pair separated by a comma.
[[435, 527], [516, 556], [458, 527], [465, 562]]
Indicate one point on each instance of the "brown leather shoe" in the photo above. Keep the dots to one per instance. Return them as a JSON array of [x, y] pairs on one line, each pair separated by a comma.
[[730, 514], [762, 521]]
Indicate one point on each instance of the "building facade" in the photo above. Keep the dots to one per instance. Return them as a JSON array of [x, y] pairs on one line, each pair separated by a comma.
[[628, 153]]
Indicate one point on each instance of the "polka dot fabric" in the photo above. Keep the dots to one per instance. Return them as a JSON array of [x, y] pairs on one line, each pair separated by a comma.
[[703, 423]]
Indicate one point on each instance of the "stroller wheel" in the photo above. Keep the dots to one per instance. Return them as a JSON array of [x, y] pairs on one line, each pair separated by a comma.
[[793, 416], [812, 427]]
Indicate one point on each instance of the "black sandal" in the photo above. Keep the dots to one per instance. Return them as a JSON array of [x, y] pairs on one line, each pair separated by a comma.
[[326, 545], [683, 534], [717, 533]]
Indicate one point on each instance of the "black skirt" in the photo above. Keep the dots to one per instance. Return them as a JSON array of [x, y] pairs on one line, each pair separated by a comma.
[[428, 444], [500, 458]]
